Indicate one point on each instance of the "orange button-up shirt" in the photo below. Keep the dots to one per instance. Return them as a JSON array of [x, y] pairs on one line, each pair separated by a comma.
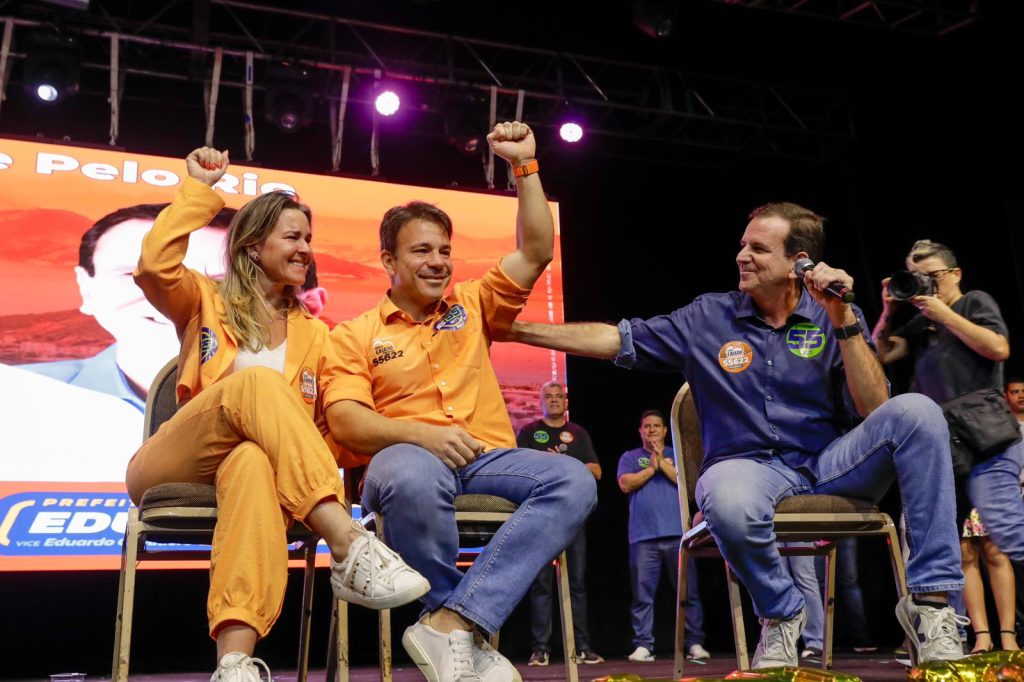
[[437, 371]]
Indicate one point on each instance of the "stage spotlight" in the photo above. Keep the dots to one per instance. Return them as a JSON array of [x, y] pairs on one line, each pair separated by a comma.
[[387, 103], [656, 18], [289, 101], [571, 132], [52, 65]]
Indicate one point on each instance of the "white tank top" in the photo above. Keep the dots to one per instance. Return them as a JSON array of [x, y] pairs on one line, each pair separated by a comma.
[[274, 359]]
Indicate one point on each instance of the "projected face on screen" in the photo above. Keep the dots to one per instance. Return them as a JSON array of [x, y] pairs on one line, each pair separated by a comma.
[[145, 338]]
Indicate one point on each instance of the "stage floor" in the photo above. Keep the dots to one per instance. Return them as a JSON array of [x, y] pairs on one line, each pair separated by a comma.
[[880, 667]]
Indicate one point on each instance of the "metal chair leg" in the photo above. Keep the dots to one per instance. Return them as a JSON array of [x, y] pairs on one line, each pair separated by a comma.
[[679, 657], [126, 599], [830, 607], [572, 673], [306, 618], [739, 633]]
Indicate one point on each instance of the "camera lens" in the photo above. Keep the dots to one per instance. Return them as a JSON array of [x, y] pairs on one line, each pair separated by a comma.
[[905, 285]]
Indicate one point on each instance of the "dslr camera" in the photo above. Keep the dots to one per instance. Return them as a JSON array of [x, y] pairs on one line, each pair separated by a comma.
[[906, 284]]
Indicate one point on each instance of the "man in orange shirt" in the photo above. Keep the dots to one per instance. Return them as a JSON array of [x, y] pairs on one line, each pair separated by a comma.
[[415, 390]]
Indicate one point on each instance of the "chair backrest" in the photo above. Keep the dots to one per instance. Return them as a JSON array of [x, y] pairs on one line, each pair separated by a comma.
[[688, 446], [162, 400]]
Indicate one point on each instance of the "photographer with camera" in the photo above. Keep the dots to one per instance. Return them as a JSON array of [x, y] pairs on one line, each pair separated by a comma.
[[958, 342]]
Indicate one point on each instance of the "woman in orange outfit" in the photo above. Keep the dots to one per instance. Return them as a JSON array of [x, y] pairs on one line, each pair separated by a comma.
[[250, 420]]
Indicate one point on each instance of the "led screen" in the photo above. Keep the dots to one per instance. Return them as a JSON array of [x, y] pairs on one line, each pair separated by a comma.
[[79, 343]]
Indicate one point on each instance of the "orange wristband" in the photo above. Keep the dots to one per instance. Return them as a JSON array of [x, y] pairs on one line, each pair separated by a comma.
[[525, 169]]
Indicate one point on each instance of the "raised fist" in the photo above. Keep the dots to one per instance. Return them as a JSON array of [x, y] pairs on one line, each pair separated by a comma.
[[207, 165], [514, 142]]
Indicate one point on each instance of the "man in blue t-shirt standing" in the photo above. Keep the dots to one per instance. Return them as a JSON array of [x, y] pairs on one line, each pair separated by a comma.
[[648, 475]]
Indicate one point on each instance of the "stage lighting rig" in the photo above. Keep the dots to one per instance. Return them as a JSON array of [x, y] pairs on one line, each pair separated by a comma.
[[289, 98], [465, 120], [656, 18], [52, 66]]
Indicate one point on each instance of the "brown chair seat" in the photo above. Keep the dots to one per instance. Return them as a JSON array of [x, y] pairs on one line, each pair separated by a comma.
[[484, 504], [823, 504], [178, 495]]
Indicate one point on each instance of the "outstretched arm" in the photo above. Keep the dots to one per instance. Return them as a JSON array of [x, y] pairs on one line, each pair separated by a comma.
[[535, 229], [594, 339]]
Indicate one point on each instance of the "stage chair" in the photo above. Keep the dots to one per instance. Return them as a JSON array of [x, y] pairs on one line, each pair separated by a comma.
[[821, 519], [477, 517], [186, 513]]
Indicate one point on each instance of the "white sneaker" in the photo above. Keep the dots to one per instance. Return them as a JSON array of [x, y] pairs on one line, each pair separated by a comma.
[[699, 653], [441, 657], [777, 646], [490, 665], [931, 633], [641, 655], [237, 667], [375, 576]]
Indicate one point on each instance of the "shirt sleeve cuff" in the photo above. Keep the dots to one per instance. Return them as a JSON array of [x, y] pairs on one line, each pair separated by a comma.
[[335, 394], [497, 279], [627, 353]]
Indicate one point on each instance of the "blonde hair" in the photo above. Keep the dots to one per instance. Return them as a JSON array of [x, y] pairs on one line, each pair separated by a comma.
[[245, 306], [926, 248]]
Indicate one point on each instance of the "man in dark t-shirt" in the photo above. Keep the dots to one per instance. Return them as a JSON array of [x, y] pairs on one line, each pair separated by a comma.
[[554, 433]]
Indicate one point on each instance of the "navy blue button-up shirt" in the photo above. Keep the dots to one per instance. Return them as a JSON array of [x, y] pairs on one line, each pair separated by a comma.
[[759, 391]]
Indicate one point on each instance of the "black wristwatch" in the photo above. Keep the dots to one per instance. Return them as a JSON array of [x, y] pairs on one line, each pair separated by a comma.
[[849, 331]]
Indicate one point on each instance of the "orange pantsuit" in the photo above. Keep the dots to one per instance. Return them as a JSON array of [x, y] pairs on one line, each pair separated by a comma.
[[258, 435]]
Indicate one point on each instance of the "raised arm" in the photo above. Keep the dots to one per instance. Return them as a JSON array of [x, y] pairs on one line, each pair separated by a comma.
[[165, 281], [535, 228], [593, 339], [864, 375]]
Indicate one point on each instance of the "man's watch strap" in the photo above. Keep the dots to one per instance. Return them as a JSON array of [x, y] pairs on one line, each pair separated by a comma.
[[849, 331]]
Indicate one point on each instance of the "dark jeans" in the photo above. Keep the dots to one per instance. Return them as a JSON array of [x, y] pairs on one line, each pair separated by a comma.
[[647, 559], [540, 598]]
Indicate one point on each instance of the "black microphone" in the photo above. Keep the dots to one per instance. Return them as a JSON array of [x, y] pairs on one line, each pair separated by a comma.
[[835, 289]]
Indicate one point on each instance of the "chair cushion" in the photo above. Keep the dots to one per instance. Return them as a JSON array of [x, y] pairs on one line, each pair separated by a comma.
[[823, 504], [814, 504], [484, 503], [179, 495]]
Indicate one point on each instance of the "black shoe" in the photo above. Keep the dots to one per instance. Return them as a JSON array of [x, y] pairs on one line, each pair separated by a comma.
[[589, 657], [539, 658]]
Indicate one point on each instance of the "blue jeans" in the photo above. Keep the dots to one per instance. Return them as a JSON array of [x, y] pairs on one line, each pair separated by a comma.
[[540, 598], [994, 488], [647, 558], [805, 577], [904, 439], [415, 492]]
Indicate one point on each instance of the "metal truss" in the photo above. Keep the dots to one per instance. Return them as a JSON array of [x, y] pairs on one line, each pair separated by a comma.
[[930, 17], [651, 110]]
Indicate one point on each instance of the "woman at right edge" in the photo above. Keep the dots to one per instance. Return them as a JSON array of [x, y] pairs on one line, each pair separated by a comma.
[[250, 420]]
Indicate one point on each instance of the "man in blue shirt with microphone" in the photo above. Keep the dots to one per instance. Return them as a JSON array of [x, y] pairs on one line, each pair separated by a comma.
[[781, 372]]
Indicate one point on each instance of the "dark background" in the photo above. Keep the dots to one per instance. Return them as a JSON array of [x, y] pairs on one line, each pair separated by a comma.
[[936, 155]]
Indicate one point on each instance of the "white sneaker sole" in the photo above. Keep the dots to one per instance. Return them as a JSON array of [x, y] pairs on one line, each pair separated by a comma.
[[911, 632], [419, 657], [378, 603]]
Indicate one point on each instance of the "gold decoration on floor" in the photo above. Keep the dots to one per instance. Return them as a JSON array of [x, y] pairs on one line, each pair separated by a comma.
[[786, 674], [995, 666]]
